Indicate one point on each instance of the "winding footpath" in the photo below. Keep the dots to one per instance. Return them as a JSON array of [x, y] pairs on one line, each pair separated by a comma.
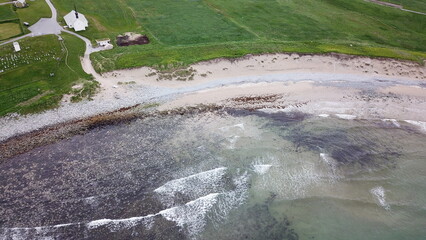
[[400, 7]]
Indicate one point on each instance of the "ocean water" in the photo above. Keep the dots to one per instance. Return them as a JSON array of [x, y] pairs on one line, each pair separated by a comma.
[[222, 175]]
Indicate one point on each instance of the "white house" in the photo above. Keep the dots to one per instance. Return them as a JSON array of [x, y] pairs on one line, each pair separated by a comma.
[[76, 20], [16, 46], [20, 3]]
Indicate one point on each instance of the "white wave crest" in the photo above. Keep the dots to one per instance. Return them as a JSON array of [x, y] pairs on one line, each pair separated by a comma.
[[345, 116], [421, 125], [380, 196], [261, 168], [393, 121], [193, 186], [117, 224], [192, 215], [232, 199]]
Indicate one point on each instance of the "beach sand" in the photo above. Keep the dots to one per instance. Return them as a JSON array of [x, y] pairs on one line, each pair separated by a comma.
[[242, 77], [340, 85]]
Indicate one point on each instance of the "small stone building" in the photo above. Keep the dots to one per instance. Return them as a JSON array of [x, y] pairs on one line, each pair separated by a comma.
[[103, 42]]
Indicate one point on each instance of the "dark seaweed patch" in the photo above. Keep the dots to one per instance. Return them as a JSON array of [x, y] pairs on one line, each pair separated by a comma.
[[346, 148], [278, 118]]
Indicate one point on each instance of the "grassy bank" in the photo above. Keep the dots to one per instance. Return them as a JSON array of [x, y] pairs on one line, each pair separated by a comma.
[[36, 78], [166, 57], [184, 31]]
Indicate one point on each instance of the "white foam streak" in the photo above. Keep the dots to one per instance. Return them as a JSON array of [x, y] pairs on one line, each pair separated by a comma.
[[380, 196], [324, 115], [262, 168], [239, 126], [345, 116], [232, 141], [117, 224], [194, 186], [393, 121], [232, 199], [192, 215], [421, 125], [330, 162]]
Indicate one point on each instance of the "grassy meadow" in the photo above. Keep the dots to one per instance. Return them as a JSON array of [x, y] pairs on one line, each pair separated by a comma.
[[186, 31], [9, 22], [7, 13], [11, 18], [416, 5], [37, 9], [26, 82]]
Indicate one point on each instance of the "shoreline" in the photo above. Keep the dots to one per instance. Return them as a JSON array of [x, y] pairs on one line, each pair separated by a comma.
[[324, 84]]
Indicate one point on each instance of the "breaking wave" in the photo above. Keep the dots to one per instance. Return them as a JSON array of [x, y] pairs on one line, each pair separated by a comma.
[[380, 196]]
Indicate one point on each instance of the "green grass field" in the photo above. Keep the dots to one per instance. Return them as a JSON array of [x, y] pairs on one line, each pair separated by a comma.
[[26, 84], [37, 9], [9, 30], [186, 31], [102, 17], [7, 13], [416, 5], [9, 22]]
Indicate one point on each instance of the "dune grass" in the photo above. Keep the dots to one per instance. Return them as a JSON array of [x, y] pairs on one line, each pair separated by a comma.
[[27, 86]]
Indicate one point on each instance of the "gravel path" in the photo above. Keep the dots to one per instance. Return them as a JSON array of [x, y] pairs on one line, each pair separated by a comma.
[[400, 7]]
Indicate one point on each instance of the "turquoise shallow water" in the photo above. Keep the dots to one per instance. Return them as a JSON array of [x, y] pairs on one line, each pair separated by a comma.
[[223, 175]]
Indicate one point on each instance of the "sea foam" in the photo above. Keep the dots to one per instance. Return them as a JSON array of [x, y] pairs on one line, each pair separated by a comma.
[[193, 186], [345, 116], [421, 125], [393, 121], [261, 168], [380, 196]]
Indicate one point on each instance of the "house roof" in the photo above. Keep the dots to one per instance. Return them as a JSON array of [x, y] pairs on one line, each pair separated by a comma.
[[71, 18], [79, 25]]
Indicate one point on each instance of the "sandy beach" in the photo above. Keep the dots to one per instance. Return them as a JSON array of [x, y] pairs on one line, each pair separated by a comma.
[[270, 64], [317, 84], [327, 85]]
